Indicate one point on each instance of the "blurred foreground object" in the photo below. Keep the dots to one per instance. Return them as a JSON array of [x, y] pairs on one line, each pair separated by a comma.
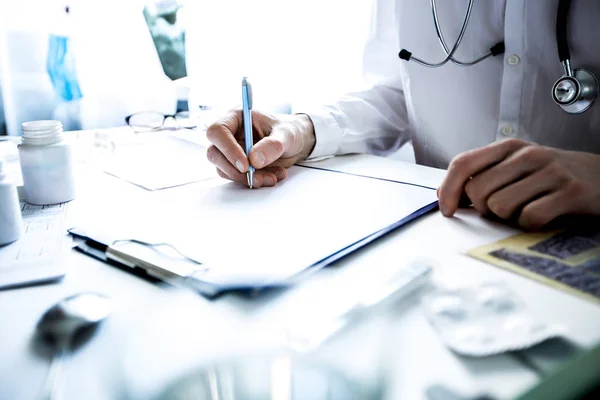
[[278, 377]]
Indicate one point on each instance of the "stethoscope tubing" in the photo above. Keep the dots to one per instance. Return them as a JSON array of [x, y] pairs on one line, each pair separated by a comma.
[[574, 92]]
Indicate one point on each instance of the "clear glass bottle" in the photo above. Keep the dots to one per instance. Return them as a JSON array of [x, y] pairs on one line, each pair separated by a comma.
[[46, 163]]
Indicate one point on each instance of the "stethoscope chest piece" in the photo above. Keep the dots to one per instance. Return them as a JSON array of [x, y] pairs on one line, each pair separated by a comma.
[[576, 92]]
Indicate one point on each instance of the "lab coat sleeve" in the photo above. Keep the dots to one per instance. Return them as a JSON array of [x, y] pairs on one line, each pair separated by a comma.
[[374, 120]]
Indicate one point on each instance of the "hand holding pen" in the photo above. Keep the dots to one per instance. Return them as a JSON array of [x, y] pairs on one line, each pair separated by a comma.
[[279, 142]]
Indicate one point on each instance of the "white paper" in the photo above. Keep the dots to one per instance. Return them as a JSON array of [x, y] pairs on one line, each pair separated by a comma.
[[271, 233], [160, 163], [367, 165], [38, 254]]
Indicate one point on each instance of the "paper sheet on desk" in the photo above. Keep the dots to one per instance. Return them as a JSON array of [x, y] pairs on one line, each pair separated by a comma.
[[271, 233], [160, 162], [38, 255]]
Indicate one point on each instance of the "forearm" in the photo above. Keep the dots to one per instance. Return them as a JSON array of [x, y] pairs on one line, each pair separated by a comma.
[[374, 121]]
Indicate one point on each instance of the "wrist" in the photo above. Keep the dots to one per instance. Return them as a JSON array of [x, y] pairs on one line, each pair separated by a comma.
[[306, 133]]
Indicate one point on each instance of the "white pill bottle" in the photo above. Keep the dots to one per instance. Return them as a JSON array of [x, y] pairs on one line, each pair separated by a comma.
[[10, 210], [46, 163]]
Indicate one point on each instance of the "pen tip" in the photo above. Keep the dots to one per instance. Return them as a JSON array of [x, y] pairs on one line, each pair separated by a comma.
[[249, 178]]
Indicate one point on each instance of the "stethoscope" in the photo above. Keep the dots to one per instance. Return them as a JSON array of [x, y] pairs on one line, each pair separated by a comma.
[[574, 92]]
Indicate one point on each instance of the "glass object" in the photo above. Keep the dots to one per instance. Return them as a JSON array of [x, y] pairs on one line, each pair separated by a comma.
[[148, 121], [283, 377]]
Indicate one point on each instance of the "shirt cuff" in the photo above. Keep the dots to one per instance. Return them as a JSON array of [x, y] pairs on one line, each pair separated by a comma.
[[328, 135]]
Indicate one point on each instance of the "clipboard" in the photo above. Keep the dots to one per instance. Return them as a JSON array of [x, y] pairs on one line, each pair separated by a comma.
[[173, 269]]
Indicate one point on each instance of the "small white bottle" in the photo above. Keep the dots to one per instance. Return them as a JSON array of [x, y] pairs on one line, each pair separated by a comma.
[[46, 163], [10, 209]]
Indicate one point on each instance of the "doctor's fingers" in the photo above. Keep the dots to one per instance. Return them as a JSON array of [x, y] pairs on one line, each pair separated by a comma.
[[282, 142], [540, 212], [265, 177], [515, 167], [222, 135], [510, 201], [468, 164]]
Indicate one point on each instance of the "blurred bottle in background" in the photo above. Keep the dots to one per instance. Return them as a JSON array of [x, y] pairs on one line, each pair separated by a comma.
[[61, 67], [117, 67]]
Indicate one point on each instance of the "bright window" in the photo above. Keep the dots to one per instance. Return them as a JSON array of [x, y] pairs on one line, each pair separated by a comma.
[[303, 52]]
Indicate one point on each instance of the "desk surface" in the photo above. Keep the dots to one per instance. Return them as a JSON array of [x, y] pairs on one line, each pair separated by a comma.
[[156, 333]]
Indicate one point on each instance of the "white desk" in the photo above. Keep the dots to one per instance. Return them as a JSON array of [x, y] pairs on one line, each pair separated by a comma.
[[154, 333]]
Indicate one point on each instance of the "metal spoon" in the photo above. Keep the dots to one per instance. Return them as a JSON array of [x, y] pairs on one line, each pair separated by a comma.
[[61, 323]]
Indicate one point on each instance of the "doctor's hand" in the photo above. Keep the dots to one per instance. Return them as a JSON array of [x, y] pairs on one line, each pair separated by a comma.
[[279, 142], [531, 183]]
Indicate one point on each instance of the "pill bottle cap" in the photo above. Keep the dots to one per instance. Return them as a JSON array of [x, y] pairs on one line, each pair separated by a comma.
[[41, 133]]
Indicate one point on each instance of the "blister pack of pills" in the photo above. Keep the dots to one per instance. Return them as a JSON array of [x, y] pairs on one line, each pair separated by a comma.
[[486, 319]]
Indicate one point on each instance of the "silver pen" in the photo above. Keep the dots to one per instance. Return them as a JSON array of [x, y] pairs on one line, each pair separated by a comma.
[[247, 116]]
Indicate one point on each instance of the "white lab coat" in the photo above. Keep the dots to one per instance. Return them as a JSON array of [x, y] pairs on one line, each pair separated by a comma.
[[451, 109]]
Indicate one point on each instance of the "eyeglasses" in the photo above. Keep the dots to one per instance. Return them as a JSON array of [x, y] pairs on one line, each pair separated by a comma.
[[148, 121]]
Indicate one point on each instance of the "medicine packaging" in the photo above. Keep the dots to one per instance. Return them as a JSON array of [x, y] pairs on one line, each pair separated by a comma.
[[486, 319]]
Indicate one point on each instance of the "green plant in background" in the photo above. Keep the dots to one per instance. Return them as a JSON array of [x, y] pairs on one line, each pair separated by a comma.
[[168, 34]]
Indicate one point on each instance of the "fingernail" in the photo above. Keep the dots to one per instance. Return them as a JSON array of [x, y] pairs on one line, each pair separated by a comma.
[[268, 181], [259, 158], [240, 166], [280, 175]]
